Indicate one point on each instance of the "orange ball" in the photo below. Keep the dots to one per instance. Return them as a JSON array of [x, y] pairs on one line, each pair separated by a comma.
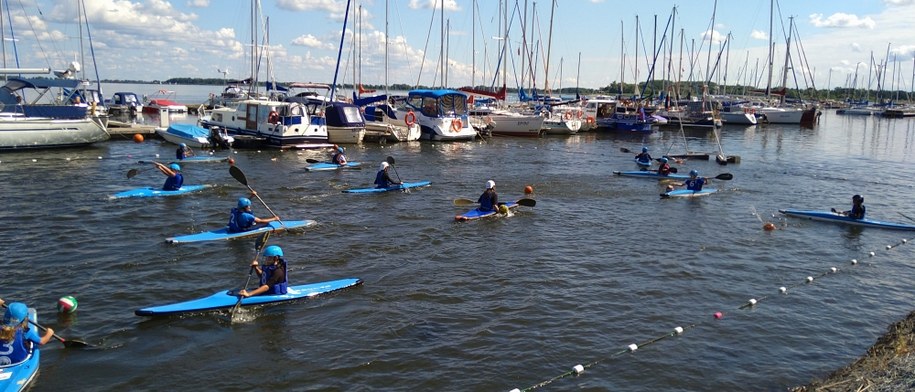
[[138, 138], [528, 189], [231, 161], [769, 226]]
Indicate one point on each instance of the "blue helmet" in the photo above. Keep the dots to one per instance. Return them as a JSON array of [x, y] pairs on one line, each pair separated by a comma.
[[273, 250], [644, 149], [16, 313], [175, 166], [663, 160], [183, 145], [244, 202], [694, 173], [341, 149]]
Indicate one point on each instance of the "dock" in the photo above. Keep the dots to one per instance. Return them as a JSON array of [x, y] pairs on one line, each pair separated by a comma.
[[125, 130]]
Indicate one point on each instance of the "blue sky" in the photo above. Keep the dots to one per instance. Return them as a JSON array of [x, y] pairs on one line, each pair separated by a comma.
[[157, 39]]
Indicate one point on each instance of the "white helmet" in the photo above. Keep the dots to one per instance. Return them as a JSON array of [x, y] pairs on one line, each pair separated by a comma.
[[490, 184], [384, 165]]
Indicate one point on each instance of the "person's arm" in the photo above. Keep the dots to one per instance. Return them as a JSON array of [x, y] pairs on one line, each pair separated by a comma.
[[265, 220], [278, 276], [48, 334], [165, 169]]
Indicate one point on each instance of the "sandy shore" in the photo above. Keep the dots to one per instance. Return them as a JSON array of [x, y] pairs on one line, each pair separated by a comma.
[[887, 366]]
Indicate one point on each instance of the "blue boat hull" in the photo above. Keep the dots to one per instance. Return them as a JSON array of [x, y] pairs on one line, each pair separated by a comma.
[[223, 234], [689, 193], [17, 376], [325, 166], [650, 174], [828, 216], [156, 192], [475, 213], [406, 185], [228, 299]]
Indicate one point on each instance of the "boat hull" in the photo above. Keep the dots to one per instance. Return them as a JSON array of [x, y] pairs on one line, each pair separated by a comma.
[[475, 213], [651, 174], [345, 135], [157, 192], [688, 193], [828, 216], [328, 166], [404, 186], [227, 299], [31, 133], [223, 233]]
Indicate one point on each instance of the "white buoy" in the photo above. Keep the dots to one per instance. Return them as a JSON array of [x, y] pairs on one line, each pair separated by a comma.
[[904, 240], [678, 330], [99, 157], [888, 247], [578, 369], [872, 254], [157, 155], [752, 301], [783, 290], [34, 160], [633, 347], [854, 261], [515, 390], [833, 269], [809, 279]]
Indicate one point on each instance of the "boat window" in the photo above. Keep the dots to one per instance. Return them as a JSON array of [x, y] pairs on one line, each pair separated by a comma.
[[352, 114], [251, 113], [429, 107]]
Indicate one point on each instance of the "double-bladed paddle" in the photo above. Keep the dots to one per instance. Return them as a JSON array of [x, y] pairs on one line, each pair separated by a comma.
[[259, 246], [463, 202], [390, 161], [69, 343], [309, 160], [240, 177]]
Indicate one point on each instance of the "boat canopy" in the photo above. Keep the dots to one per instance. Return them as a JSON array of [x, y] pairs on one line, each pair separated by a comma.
[[435, 103], [341, 114]]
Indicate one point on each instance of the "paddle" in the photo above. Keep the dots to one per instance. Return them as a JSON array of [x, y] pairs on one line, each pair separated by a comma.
[[240, 176], [259, 246], [66, 343], [390, 161], [463, 202], [725, 176], [132, 173], [672, 170], [309, 160]]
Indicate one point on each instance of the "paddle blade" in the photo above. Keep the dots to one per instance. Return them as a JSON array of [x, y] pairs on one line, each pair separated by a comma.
[[261, 241], [673, 170], [238, 175], [309, 160], [725, 176], [626, 150], [462, 202], [389, 160], [74, 343], [132, 173], [527, 202]]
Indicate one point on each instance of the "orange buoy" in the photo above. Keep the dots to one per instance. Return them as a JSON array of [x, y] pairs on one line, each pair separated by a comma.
[[528, 189], [769, 226], [231, 162], [138, 138]]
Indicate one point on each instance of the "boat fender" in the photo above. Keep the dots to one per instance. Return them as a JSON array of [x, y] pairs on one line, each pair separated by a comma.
[[410, 119], [567, 115], [580, 113], [456, 125], [590, 120], [273, 117]]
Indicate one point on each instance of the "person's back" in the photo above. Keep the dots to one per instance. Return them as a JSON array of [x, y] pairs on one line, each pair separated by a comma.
[[240, 219], [857, 209], [664, 168], [175, 181], [644, 157], [16, 339], [489, 200], [338, 157], [382, 179], [694, 183]]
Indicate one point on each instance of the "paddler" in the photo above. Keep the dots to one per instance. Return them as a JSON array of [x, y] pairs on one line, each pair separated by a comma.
[[644, 158], [242, 219], [383, 178], [183, 151], [489, 200], [857, 208], [337, 156], [272, 273], [173, 172], [694, 182], [664, 167], [17, 336]]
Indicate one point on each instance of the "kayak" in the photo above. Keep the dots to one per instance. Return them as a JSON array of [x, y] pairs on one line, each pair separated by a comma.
[[406, 185], [155, 192], [192, 159], [645, 164], [18, 376], [688, 193], [477, 214], [650, 174], [828, 216], [326, 166], [223, 233], [228, 299]]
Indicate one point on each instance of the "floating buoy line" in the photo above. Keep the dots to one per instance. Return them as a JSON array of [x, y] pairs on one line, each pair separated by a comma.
[[578, 369]]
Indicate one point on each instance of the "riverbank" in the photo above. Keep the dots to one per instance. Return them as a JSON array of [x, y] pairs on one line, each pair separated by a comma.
[[887, 366]]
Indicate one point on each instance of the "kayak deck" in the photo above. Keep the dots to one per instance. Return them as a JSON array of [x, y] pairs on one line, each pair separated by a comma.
[[228, 299], [223, 233], [406, 185], [650, 174], [156, 192], [829, 216], [688, 193], [475, 213], [328, 166]]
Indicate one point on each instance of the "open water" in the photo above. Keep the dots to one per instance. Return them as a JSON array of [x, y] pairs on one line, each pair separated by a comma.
[[600, 263]]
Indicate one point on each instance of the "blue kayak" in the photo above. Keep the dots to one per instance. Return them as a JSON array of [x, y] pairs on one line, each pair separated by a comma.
[[155, 192], [477, 214], [688, 193], [17, 376], [829, 216], [406, 185], [650, 174], [327, 166], [645, 164], [223, 233], [193, 159], [228, 299]]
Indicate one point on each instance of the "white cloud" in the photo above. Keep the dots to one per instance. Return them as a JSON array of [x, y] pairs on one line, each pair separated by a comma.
[[198, 3], [717, 37], [898, 2], [760, 35], [855, 47], [840, 19], [902, 53], [450, 5], [331, 6], [311, 41]]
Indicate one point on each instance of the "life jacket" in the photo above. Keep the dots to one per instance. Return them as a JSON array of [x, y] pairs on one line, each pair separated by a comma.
[[488, 201], [267, 273], [179, 154], [695, 185], [237, 222], [173, 183], [16, 350], [381, 180]]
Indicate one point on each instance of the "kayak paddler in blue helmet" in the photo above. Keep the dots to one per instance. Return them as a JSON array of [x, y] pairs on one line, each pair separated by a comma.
[[693, 183], [242, 219], [857, 210], [663, 167], [272, 273], [644, 157], [183, 151], [174, 180], [17, 337], [337, 157]]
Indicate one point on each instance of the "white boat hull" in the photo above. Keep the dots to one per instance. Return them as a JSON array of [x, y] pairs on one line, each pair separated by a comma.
[[738, 118], [17, 132], [345, 135]]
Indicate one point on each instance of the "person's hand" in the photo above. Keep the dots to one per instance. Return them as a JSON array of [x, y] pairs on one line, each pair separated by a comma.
[[2, 302], [244, 293], [254, 263]]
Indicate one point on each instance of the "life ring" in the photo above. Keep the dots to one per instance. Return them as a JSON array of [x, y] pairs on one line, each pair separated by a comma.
[[590, 120], [580, 114], [273, 117], [456, 125], [410, 119], [567, 115]]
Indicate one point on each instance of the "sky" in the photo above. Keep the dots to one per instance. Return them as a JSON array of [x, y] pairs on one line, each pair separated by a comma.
[[582, 44]]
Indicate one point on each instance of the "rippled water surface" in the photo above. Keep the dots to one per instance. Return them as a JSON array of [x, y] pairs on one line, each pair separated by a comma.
[[600, 263]]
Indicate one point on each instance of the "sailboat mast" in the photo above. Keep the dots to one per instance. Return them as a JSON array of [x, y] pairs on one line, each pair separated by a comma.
[[622, 59], [771, 48], [787, 57], [549, 46], [473, 44], [386, 44], [711, 32]]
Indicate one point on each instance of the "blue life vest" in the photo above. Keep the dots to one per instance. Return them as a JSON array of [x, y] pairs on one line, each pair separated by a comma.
[[173, 183], [267, 272], [240, 220], [17, 350], [695, 185], [856, 212], [180, 154]]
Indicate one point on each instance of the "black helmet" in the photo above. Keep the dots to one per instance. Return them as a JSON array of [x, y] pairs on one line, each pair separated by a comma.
[[857, 198]]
